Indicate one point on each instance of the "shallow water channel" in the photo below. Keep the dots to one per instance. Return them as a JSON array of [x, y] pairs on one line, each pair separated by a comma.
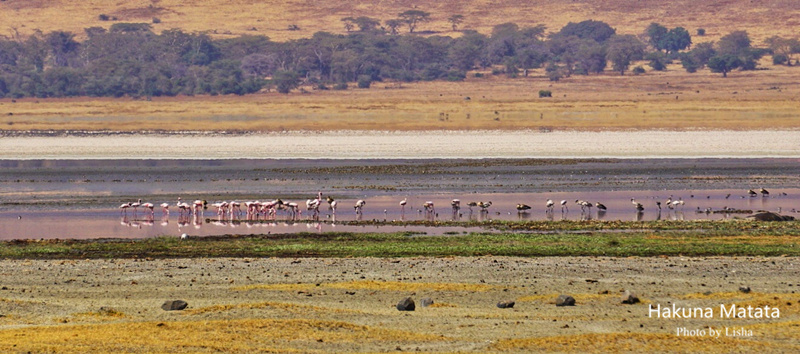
[[65, 221]]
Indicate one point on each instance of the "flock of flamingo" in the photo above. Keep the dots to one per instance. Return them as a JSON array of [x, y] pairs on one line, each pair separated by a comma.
[[255, 210]]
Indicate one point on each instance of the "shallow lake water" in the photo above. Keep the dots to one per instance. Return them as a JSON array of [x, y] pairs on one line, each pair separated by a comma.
[[107, 221]]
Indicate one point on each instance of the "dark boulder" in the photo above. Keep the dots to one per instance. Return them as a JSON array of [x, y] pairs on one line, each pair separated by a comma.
[[174, 305], [565, 300], [406, 304], [506, 304]]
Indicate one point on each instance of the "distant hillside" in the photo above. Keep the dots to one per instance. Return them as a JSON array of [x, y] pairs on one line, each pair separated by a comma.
[[224, 18]]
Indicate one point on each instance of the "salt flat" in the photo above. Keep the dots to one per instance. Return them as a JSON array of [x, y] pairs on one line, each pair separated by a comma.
[[421, 144]]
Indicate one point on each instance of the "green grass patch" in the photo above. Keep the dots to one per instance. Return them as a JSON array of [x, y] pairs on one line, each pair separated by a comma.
[[622, 239]]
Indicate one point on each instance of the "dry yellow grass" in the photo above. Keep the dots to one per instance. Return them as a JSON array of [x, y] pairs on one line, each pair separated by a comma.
[[272, 18], [640, 342], [672, 100], [230, 336]]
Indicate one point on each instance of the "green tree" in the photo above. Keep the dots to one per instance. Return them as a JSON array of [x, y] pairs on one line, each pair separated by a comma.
[[597, 31], [412, 18], [393, 25], [622, 50], [738, 43], [783, 47], [656, 34], [455, 20], [724, 63], [677, 39], [286, 81]]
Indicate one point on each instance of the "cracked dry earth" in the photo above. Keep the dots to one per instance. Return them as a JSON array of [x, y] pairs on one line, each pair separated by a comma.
[[348, 305]]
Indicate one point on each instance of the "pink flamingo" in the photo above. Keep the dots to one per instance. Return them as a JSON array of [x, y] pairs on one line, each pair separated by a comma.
[[403, 205], [184, 207], [135, 206], [165, 208], [149, 206], [429, 208], [199, 206], [124, 208], [235, 208]]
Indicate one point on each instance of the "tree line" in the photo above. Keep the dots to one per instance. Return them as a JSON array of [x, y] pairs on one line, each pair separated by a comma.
[[130, 59]]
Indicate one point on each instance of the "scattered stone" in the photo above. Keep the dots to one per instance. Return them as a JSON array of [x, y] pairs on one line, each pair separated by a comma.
[[770, 216], [174, 305], [406, 304], [506, 304], [565, 300], [425, 302], [744, 289], [591, 280], [629, 298]]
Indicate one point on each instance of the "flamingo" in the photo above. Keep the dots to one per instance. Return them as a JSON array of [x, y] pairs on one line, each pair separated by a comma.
[[764, 192], [183, 206], [564, 205], [752, 193], [658, 204], [472, 204], [403, 205], [313, 204], [484, 206], [149, 206], [456, 204], [221, 207], [639, 207], [124, 208], [523, 208], [676, 203], [331, 204], [359, 205], [600, 206], [549, 204], [584, 204], [429, 208], [165, 208], [136, 205], [200, 204], [235, 208]]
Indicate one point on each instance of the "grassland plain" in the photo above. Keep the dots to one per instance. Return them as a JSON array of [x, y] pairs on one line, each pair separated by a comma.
[[272, 18], [671, 100]]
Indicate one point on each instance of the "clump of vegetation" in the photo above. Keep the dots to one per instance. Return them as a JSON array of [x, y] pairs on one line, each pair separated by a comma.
[[340, 86], [701, 31], [364, 81], [129, 59], [545, 93], [638, 70]]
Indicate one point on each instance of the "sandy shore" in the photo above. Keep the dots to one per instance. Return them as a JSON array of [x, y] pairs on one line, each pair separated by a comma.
[[339, 305], [426, 144]]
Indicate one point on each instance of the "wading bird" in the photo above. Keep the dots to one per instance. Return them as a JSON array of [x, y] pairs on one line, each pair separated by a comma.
[[523, 208], [429, 208], [549, 204], [359, 206], [639, 207], [403, 205], [456, 204], [600, 207], [764, 192], [124, 208], [564, 205], [584, 204]]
